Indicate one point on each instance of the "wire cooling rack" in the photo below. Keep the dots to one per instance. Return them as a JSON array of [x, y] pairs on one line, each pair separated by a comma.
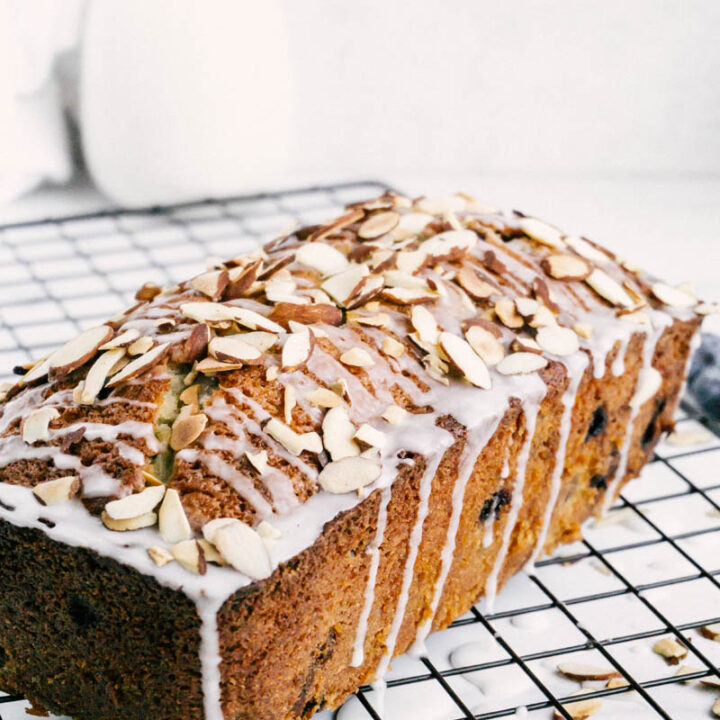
[[650, 570]]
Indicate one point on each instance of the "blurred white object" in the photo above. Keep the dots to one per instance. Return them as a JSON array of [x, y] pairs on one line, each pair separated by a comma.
[[184, 99]]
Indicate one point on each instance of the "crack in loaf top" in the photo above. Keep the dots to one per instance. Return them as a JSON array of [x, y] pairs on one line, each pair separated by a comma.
[[313, 368]]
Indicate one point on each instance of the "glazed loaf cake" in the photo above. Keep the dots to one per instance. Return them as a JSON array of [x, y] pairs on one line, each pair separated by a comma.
[[243, 496]]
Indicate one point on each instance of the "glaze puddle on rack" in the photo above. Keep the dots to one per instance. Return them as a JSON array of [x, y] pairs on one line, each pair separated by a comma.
[[650, 569]]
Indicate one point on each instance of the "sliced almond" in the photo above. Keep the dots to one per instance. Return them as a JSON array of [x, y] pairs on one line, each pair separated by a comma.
[[285, 313], [140, 346], [39, 369], [392, 347], [424, 322], [566, 267], [711, 632], [190, 555], [212, 313], [324, 398], [521, 363], [394, 414], [473, 285], [122, 340], [525, 344], [616, 682], [233, 349], [348, 474], [707, 309], [357, 357], [711, 681], [557, 340], [584, 330], [272, 373], [581, 709], [136, 504], [542, 318], [507, 312], [191, 396], [36, 424], [527, 307], [59, 490], [140, 365], [260, 339], [345, 285], [485, 344], [465, 360], [211, 365], [400, 279], [212, 526], [687, 670], [675, 297], [134, 523], [671, 650], [378, 320], [411, 224], [78, 351], [253, 320], [408, 296], [648, 385], [367, 436], [269, 533], [244, 549], [338, 434], [296, 350], [258, 460], [148, 291], [370, 288], [716, 707], [211, 284], [173, 522], [241, 279], [542, 232], [350, 217], [210, 552], [321, 257], [609, 289], [288, 403], [98, 374], [580, 671], [186, 430], [159, 555], [587, 250], [295, 443], [379, 224]]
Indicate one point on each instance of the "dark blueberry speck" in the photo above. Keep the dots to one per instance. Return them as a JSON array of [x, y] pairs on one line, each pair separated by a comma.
[[598, 423]]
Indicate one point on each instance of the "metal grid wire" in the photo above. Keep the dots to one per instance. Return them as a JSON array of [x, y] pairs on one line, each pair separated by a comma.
[[62, 275]]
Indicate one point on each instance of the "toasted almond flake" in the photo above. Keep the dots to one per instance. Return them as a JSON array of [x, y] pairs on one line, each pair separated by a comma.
[[211, 365], [260, 339], [584, 330], [424, 322], [269, 533], [580, 671], [186, 430], [526, 306], [338, 434], [288, 403], [350, 217], [296, 327], [210, 552], [408, 296], [191, 396], [98, 374], [394, 414], [368, 436], [211, 284], [711, 632], [292, 441], [671, 650], [609, 289], [707, 309], [441, 204], [400, 279], [448, 245], [254, 321], [212, 526], [173, 522], [38, 370], [258, 460], [357, 357], [322, 257], [159, 555], [711, 681], [322, 397], [242, 278], [525, 344], [345, 285], [134, 523], [140, 365], [211, 312], [122, 340], [485, 344], [233, 349], [59, 490], [520, 363], [392, 347], [190, 555], [378, 224], [136, 504], [557, 340], [296, 350], [78, 351], [410, 225], [673, 296], [566, 267], [272, 373], [648, 385], [688, 438], [378, 320], [581, 709], [542, 232], [140, 346], [475, 286], [616, 682], [543, 318], [716, 707], [508, 314], [465, 360], [584, 248], [5, 387], [242, 547], [35, 426], [687, 670], [348, 474], [148, 291]]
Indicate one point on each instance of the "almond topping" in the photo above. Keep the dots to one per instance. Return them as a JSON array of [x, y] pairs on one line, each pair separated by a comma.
[[191, 396], [35, 426], [520, 363], [122, 340], [285, 313], [98, 374], [579, 671], [234, 349], [186, 430], [78, 351], [542, 318], [148, 291], [671, 650], [348, 474], [292, 441], [190, 555], [485, 344], [268, 533], [586, 249], [357, 357], [140, 346], [322, 397], [136, 504], [210, 365], [338, 434], [408, 296], [140, 365], [707, 309], [59, 490], [526, 306], [392, 347], [368, 436], [465, 360], [159, 555], [321, 257], [211, 284], [508, 314], [241, 547], [258, 460], [542, 232], [288, 403], [212, 526], [473, 285], [675, 297], [211, 554], [581, 709], [637, 317], [525, 344], [609, 289], [711, 632], [214, 313], [134, 523], [173, 522], [557, 340], [394, 414], [716, 707], [566, 267], [345, 285], [584, 330], [378, 224], [649, 383], [424, 322], [296, 350], [616, 682]]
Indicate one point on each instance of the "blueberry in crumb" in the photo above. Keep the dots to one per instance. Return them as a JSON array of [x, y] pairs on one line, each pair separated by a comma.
[[599, 482], [82, 612], [598, 423], [494, 504]]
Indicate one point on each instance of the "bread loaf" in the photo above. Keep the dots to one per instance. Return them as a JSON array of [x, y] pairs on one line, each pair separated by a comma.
[[243, 496]]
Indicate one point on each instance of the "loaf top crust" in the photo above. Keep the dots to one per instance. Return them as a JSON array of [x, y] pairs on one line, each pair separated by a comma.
[[250, 405]]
